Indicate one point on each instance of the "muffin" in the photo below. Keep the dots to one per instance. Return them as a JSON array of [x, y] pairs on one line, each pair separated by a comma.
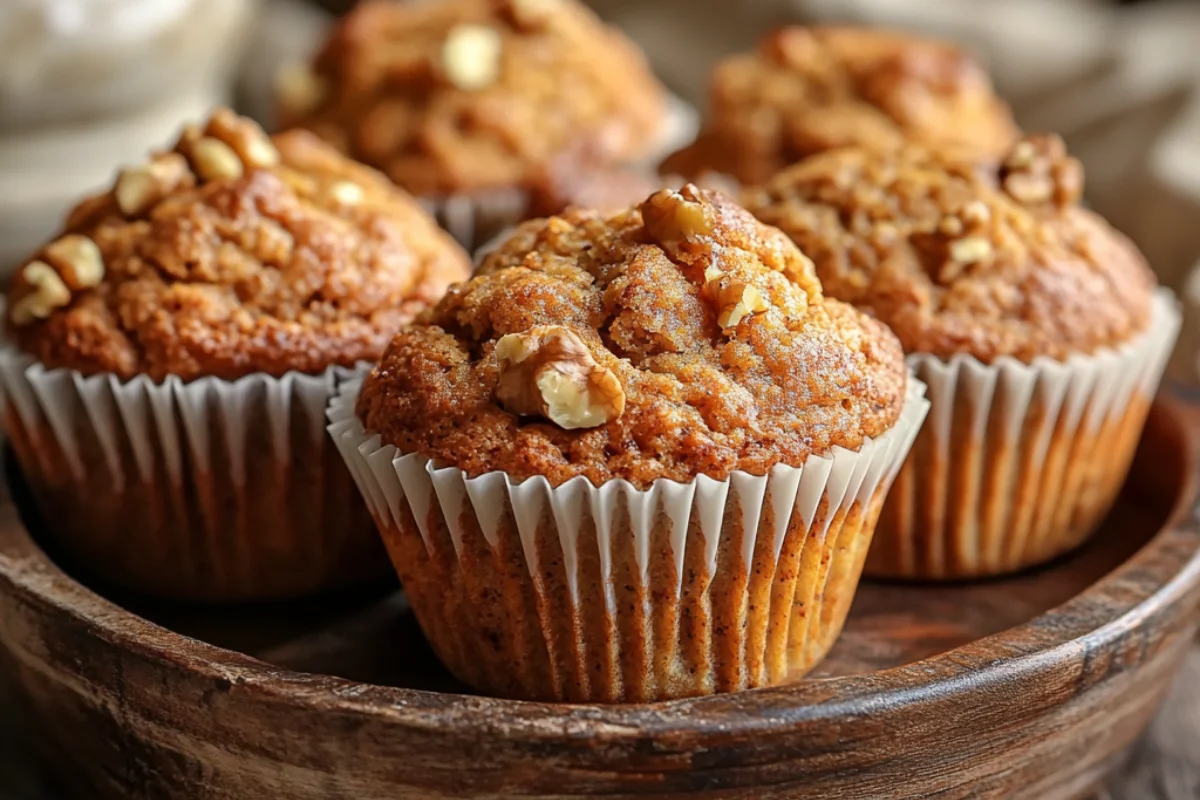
[[639, 456], [464, 102], [807, 90], [1038, 328], [169, 357]]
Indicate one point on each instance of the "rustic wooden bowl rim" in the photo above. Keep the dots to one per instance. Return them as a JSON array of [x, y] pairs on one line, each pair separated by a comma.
[[980, 665]]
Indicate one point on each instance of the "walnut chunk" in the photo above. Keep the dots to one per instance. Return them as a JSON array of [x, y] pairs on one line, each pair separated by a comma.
[[140, 188], [548, 371], [1038, 170], [252, 146], [214, 160], [78, 259], [675, 217], [39, 290], [738, 301], [471, 57], [347, 193]]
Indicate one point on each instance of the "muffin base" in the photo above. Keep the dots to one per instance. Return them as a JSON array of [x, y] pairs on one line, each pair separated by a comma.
[[1018, 463], [610, 594], [208, 491]]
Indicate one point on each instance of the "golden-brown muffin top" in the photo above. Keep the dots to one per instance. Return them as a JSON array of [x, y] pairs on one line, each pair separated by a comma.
[[965, 259], [676, 338], [460, 95], [806, 90], [230, 254]]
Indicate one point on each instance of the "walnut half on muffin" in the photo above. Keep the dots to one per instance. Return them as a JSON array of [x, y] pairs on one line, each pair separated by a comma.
[[1038, 327], [806, 90], [170, 352], [618, 440]]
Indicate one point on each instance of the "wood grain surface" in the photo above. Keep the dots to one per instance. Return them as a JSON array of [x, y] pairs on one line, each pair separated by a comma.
[[1042, 709]]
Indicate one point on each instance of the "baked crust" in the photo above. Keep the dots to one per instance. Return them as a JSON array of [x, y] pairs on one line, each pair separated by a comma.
[[961, 258], [385, 90], [703, 393], [301, 264], [806, 90]]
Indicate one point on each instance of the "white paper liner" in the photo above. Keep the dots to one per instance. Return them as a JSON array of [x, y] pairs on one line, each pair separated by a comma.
[[210, 489], [1018, 463], [613, 573], [479, 218]]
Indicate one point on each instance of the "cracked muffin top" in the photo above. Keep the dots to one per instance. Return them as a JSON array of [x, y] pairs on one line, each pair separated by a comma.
[[676, 338], [233, 253], [461, 95], [968, 259], [812, 89]]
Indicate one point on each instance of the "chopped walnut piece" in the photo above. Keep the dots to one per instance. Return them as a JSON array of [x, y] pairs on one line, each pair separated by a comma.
[[471, 56], [214, 160], [252, 146], [139, 188], [78, 260], [739, 300], [39, 290], [673, 218], [1038, 170], [548, 371]]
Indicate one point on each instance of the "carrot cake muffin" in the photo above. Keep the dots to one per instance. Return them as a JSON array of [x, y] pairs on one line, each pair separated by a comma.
[[170, 352], [806, 90], [462, 102], [674, 353], [1037, 326]]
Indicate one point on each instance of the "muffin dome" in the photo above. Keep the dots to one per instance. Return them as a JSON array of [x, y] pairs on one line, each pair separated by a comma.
[[232, 253], [957, 258], [812, 89], [462, 95], [673, 339]]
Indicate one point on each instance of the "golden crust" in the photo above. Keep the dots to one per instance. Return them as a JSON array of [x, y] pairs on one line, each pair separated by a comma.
[[640, 290], [806, 90], [944, 253], [564, 81], [301, 265]]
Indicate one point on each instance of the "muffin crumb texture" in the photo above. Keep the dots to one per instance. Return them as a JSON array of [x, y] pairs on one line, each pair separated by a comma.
[[230, 254], [806, 90], [958, 257], [677, 338], [467, 95]]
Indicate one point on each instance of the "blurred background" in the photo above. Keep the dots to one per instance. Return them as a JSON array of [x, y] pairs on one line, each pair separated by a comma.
[[89, 84]]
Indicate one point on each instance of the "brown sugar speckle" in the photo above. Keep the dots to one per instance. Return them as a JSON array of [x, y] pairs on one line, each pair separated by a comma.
[[794, 378]]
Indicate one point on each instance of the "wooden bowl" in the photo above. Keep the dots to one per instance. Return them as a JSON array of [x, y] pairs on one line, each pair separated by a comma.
[[1031, 686]]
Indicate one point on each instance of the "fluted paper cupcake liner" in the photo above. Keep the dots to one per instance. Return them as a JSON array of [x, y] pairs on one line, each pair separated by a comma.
[[475, 219], [207, 490], [1018, 463], [615, 594]]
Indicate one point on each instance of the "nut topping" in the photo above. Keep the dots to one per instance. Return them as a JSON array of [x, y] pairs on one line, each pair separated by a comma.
[[79, 261], [214, 160], [471, 57], [739, 300], [44, 292], [347, 193], [139, 188], [245, 138], [548, 371], [676, 217], [1038, 170]]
